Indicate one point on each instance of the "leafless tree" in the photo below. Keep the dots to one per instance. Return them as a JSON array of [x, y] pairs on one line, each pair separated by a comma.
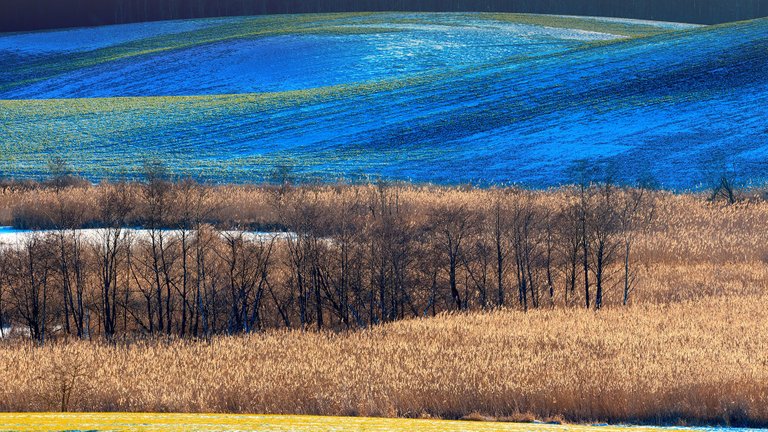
[[604, 233], [500, 232], [584, 214], [636, 214], [452, 225], [111, 251], [725, 190], [525, 241], [157, 194], [570, 244], [31, 266], [248, 264]]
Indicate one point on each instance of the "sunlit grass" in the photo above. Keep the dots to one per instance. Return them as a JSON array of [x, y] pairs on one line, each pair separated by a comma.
[[247, 423]]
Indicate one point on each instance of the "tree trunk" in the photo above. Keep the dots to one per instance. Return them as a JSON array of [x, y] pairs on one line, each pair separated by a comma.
[[627, 246]]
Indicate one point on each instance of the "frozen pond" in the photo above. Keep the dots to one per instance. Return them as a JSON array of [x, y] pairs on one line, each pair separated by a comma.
[[10, 236]]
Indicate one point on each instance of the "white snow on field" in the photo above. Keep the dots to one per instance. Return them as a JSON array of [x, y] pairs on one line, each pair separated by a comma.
[[254, 64], [11, 237], [629, 21], [15, 332], [87, 39], [660, 24], [502, 30], [295, 62]]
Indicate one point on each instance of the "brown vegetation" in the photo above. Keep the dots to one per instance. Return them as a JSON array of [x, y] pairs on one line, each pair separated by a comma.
[[680, 281], [692, 362], [350, 257]]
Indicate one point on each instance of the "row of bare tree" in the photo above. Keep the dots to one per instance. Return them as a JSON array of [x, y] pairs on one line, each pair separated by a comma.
[[362, 257]]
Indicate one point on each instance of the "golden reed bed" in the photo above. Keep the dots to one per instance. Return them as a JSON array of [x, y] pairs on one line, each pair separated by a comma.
[[692, 362]]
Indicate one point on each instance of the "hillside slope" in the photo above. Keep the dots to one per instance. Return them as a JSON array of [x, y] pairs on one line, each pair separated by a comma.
[[270, 54], [481, 98]]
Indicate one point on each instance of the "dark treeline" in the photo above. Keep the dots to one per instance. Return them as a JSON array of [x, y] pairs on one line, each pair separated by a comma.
[[21, 15], [349, 256]]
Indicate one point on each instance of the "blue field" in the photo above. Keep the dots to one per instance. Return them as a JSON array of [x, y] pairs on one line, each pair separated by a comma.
[[442, 98]]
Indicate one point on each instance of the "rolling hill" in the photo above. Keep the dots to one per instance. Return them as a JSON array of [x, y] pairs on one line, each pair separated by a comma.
[[444, 98]]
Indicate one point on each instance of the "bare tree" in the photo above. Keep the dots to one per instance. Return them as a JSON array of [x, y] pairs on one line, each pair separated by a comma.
[[452, 225], [61, 174], [31, 267], [342, 276], [65, 380], [302, 251], [604, 234], [637, 212], [191, 210], [550, 248], [391, 240], [584, 212], [478, 264], [500, 232], [569, 235], [248, 262], [527, 247], [725, 190], [112, 250], [66, 220], [351, 257], [157, 194]]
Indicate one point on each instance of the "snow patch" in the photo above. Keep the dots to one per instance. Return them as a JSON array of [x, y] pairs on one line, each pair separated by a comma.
[[11, 237], [88, 39]]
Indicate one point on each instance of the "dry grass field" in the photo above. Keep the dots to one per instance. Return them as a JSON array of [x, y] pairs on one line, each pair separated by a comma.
[[692, 362], [690, 348]]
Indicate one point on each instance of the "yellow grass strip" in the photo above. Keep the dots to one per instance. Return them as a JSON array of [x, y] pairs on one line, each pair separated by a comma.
[[212, 422]]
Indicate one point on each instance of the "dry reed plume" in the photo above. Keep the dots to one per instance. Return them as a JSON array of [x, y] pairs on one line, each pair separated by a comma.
[[702, 362]]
